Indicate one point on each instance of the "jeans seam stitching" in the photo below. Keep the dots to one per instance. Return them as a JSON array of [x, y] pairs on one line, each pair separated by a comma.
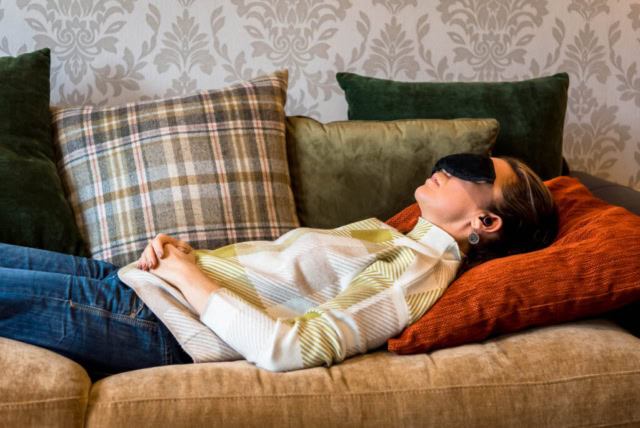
[[17, 293], [120, 317]]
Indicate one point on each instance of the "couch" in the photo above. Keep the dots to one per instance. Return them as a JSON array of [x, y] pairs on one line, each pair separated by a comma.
[[581, 373]]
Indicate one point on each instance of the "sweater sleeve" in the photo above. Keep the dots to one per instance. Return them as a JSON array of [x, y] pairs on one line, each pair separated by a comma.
[[378, 303]]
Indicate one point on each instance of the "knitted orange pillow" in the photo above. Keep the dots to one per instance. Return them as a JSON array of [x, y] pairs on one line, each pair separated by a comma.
[[592, 267]]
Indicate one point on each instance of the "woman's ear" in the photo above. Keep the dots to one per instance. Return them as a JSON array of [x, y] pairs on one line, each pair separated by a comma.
[[488, 223]]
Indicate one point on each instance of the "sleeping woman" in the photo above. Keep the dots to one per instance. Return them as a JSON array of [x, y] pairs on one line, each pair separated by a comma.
[[311, 297]]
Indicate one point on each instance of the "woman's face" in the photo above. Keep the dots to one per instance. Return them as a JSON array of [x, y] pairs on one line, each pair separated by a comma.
[[453, 204]]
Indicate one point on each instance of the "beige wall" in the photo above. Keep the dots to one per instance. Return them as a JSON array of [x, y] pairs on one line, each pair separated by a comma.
[[112, 51]]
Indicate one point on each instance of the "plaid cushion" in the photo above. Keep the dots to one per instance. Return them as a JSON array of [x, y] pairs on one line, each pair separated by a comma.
[[208, 168]]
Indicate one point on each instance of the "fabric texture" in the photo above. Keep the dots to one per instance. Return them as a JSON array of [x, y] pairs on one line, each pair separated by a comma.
[[312, 297], [39, 388], [79, 308], [347, 171], [629, 199], [208, 168], [531, 112], [33, 209], [583, 373], [591, 268]]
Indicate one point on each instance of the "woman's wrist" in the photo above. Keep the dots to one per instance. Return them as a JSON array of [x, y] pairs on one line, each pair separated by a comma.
[[196, 287]]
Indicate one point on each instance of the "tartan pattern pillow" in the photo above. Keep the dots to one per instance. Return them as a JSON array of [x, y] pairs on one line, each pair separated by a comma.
[[208, 168]]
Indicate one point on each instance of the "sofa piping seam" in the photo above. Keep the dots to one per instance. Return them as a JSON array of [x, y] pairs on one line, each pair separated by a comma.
[[45, 402]]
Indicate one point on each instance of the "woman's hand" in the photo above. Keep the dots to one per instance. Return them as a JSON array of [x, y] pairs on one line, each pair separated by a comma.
[[155, 250], [178, 267], [176, 264]]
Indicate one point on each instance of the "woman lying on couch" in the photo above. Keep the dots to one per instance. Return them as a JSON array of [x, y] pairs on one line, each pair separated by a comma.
[[311, 297]]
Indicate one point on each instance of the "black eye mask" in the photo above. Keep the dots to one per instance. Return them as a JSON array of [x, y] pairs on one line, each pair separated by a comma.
[[468, 167]]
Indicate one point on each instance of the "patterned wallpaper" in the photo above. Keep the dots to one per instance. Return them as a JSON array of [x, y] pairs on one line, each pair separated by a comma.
[[107, 52]]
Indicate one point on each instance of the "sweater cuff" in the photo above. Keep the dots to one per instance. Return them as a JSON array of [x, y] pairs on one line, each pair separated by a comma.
[[208, 305]]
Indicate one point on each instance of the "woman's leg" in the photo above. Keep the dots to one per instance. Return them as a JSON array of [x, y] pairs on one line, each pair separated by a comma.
[[25, 258], [101, 324]]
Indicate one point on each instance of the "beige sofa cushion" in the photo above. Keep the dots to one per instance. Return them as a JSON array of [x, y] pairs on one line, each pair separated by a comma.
[[573, 374], [40, 388]]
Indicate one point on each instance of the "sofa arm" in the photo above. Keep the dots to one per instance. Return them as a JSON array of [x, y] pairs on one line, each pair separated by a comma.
[[628, 198], [612, 193]]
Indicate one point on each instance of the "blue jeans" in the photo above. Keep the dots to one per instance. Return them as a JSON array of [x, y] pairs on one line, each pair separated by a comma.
[[79, 308]]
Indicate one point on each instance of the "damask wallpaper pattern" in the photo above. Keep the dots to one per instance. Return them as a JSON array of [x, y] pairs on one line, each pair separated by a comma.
[[107, 52]]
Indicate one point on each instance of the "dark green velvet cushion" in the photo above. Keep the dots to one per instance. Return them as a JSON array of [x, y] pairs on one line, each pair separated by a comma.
[[531, 112], [33, 209], [347, 171]]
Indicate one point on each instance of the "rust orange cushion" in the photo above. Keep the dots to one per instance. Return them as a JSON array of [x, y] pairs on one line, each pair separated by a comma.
[[592, 267]]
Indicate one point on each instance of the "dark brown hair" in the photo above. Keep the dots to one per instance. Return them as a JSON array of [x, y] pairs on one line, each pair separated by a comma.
[[529, 219]]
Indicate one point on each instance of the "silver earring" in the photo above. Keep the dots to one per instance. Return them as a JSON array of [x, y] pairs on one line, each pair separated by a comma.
[[474, 238]]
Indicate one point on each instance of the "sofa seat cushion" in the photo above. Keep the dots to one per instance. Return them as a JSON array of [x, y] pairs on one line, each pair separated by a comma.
[[577, 373], [40, 388]]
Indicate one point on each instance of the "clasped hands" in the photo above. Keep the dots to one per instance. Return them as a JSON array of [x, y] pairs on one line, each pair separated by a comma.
[[167, 257], [173, 261]]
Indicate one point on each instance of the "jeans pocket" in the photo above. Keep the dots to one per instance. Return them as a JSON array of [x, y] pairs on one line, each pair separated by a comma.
[[128, 319]]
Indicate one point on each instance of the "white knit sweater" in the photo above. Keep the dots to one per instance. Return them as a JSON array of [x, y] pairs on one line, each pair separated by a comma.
[[309, 298]]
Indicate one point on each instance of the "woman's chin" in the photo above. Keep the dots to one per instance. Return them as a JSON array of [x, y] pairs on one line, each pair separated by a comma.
[[423, 193]]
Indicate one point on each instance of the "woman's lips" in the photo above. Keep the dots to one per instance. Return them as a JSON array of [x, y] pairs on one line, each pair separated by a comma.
[[434, 179]]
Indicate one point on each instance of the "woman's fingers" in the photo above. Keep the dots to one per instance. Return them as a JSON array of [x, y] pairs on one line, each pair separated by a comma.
[[142, 261], [150, 256], [155, 250], [161, 240], [158, 247]]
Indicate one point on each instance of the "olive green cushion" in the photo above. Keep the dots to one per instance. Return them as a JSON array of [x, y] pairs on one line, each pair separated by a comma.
[[33, 209], [347, 171], [531, 112]]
